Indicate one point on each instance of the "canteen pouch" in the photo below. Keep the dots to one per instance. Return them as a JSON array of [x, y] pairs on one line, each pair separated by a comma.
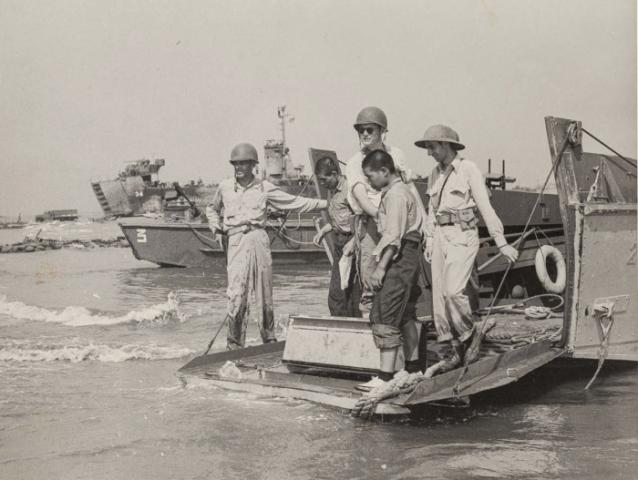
[[467, 219]]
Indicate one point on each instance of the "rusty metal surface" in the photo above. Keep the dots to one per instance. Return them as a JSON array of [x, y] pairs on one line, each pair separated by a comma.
[[608, 274], [597, 196]]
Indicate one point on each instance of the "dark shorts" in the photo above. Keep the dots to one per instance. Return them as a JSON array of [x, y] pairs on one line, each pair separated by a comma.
[[395, 303]]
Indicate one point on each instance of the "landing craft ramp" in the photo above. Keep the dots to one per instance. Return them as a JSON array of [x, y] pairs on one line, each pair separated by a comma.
[[325, 358]]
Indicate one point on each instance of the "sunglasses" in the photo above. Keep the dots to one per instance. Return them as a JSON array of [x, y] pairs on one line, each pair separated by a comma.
[[368, 130]]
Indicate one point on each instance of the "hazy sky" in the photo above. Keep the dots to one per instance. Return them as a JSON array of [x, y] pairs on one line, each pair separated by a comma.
[[88, 85]]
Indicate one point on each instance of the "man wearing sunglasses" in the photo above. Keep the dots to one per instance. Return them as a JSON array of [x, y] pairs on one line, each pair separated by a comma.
[[371, 125]]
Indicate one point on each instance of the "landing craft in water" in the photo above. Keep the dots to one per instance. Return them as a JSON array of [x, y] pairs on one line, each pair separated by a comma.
[[179, 241], [137, 190], [593, 317]]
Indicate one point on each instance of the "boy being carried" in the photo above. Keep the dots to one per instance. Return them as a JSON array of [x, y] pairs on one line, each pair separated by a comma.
[[395, 278]]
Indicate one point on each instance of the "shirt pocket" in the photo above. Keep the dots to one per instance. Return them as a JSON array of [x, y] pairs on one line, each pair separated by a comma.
[[255, 204], [456, 192], [432, 193], [230, 209]]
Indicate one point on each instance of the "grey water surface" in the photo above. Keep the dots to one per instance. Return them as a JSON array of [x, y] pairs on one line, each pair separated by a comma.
[[90, 340]]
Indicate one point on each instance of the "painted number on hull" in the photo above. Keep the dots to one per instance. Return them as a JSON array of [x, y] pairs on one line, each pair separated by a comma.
[[141, 235]]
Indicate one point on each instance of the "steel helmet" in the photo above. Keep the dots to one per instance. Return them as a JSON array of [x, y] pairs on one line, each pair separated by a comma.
[[371, 115], [243, 151], [440, 133]]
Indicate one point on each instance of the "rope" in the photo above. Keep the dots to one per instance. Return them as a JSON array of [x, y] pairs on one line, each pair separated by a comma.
[[603, 350], [608, 147], [517, 306], [283, 223], [537, 313], [293, 240]]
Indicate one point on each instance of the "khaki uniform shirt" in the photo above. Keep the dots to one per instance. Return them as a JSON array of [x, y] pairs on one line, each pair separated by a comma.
[[465, 188], [248, 206], [339, 209]]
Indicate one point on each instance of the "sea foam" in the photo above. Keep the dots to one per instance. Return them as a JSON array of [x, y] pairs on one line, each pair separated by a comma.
[[159, 314], [30, 351]]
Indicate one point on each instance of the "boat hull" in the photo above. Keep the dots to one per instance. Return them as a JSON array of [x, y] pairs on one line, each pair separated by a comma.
[[191, 244]]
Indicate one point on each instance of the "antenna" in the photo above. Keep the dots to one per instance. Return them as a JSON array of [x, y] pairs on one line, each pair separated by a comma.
[[283, 117]]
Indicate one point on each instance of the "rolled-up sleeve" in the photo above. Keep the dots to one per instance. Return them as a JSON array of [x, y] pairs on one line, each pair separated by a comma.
[[213, 211], [285, 201], [482, 200], [395, 224]]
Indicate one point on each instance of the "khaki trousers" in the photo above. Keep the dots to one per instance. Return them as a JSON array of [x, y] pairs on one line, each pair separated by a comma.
[[367, 260], [249, 272], [453, 255]]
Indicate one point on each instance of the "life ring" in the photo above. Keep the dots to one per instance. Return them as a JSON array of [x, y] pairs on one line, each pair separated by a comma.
[[553, 254]]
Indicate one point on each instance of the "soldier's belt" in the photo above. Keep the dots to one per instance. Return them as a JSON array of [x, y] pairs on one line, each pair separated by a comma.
[[241, 229], [466, 218]]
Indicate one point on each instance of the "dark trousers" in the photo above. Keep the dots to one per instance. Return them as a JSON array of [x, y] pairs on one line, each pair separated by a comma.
[[343, 303], [395, 303]]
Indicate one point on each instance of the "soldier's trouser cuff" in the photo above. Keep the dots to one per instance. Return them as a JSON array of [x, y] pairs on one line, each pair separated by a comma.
[[386, 336], [446, 337], [467, 334]]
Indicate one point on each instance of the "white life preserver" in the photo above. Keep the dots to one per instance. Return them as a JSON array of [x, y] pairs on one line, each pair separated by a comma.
[[553, 254]]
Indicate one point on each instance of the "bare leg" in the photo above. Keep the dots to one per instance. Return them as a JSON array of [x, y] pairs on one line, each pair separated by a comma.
[[388, 357], [410, 341]]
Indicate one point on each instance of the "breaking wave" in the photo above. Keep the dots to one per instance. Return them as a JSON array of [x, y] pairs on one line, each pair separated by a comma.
[[160, 314], [17, 351]]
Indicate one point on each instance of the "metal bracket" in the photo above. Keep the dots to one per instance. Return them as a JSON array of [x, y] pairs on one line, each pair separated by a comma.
[[615, 304], [603, 312]]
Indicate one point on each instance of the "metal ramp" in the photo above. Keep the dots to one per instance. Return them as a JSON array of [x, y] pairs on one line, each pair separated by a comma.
[[101, 198]]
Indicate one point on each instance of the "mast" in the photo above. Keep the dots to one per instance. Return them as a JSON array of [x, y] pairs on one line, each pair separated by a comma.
[[283, 117]]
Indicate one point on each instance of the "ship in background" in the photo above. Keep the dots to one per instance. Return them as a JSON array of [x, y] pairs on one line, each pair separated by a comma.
[[137, 190]]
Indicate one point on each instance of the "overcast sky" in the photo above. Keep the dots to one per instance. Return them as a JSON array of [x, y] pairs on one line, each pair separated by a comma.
[[88, 85]]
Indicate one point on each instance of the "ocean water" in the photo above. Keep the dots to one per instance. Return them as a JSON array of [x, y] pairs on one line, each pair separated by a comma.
[[90, 340]]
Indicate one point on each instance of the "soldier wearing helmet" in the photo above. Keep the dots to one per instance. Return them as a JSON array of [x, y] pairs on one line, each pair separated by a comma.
[[457, 193], [238, 211]]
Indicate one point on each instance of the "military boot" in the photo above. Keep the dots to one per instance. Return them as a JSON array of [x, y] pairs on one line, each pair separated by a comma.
[[474, 349], [454, 360]]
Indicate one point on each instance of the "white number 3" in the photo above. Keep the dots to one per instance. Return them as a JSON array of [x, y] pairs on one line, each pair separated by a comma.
[[141, 235]]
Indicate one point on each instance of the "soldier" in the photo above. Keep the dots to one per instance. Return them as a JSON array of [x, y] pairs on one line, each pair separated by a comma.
[[371, 125], [457, 191], [342, 302], [244, 200]]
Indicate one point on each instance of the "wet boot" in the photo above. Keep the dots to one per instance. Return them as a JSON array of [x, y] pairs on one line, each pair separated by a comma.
[[474, 349], [454, 360]]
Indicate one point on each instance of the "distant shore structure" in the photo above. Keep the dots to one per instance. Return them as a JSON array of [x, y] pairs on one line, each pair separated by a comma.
[[68, 215]]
